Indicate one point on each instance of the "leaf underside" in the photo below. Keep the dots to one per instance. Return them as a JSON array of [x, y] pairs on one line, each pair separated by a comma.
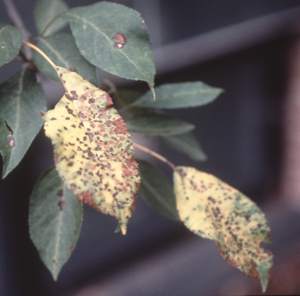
[[212, 209], [153, 124], [157, 191], [114, 38], [93, 151], [179, 95], [21, 101], [55, 218], [10, 42], [186, 143]]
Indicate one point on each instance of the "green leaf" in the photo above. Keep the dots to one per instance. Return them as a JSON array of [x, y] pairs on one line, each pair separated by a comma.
[[113, 38], [212, 209], [157, 125], [62, 50], [157, 191], [45, 11], [10, 42], [21, 101], [55, 218], [179, 95], [126, 97], [185, 143]]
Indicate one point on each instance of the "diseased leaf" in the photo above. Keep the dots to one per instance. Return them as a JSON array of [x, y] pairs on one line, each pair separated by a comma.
[[157, 191], [212, 209], [179, 95], [157, 125], [113, 38], [10, 42], [93, 151], [21, 101], [55, 218], [45, 11], [185, 143], [62, 50]]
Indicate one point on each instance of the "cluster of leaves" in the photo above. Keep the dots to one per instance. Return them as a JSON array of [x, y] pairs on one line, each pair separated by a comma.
[[93, 152]]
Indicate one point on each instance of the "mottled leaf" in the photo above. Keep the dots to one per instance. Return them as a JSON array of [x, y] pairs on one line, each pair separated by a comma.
[[55, 217], [62, 50], [114, 38], [21, 101], [157, 191], [45, 11], [212, 209], [10, 42], [179, 95], [93, 151], [185, 143], [158, 125]]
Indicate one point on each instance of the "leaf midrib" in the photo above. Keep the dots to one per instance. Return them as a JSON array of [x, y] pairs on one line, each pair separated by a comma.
[[61, 59]]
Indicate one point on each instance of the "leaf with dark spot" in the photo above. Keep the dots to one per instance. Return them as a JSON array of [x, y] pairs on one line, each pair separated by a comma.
[[212, 209], [55, 214], [21, 101], [94, 154], [114, 38]]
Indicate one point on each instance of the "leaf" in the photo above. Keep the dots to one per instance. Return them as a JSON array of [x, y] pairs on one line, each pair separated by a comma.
[[157, 125], [179, 95], [93, 151], [157, 191], [212, 209], [113, 38], [10, 42], [62, 50], [45, 11], [21, 101], [55, 218], [186, 143], [126, 97]]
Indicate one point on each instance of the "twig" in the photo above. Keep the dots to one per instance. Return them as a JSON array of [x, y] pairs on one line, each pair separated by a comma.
[[17, 21], [158, 156]]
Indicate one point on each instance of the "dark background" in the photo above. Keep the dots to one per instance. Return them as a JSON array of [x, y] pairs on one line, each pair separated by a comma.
[[241, 46]]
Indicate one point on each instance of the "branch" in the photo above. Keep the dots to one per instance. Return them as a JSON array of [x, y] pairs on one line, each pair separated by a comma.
[[17, 21], [156, 155]]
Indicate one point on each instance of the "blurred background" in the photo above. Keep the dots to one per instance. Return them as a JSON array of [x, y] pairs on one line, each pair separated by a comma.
[[251, 135]]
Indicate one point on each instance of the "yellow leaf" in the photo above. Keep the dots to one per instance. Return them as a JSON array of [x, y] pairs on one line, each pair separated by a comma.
[[92, 149], [212, 209]]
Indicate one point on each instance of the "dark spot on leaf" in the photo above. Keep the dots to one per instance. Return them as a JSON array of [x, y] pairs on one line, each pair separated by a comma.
[[61, 205], [119, 40], [81, 115], [60, 192], [73, 69], [71, 248]]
